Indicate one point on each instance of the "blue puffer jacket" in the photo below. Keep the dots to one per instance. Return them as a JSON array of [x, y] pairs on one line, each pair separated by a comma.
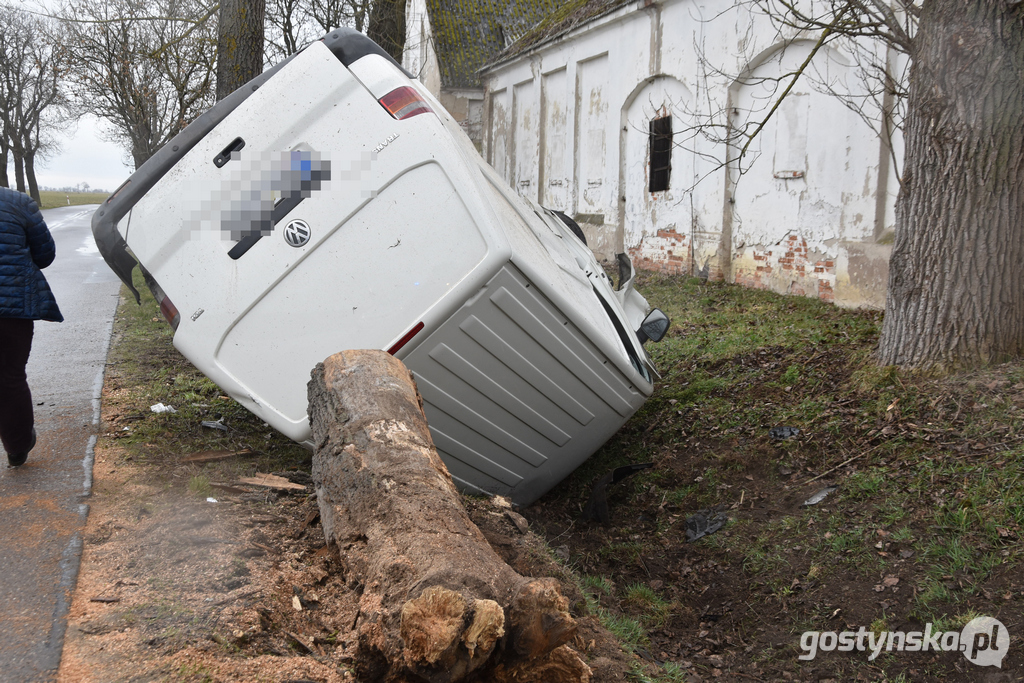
[[25, 247]]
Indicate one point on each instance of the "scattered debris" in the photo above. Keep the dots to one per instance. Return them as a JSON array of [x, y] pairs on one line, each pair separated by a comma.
[[597, 506], [518, 520], [102, 599], [782, 433], [211, 500], [296, 603], [228, 488], [161, 408], [312, 518], [298, 641], [272, 481], [703, 523], [889, 581], [819, 496], [219, 424], [211, 456]]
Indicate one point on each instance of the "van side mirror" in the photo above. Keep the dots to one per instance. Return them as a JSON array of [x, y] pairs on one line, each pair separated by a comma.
[[654, 327]]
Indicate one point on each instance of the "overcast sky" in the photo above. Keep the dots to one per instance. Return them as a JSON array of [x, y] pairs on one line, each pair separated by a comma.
[[84, 158]]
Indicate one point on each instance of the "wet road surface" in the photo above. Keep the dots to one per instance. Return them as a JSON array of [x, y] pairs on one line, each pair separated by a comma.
[[43, 503]]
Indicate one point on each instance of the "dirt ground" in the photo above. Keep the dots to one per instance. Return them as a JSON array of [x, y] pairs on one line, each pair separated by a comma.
[[925, 526], [175, 587]]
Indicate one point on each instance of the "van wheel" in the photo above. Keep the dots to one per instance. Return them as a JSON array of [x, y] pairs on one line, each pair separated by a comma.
[[572, 225]]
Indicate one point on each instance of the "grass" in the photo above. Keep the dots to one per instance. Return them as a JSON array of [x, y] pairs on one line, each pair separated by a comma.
[[144, 369], [928, 469], [51, 200]]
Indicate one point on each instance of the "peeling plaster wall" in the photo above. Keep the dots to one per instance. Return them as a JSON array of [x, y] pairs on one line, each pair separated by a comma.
[[805, 212], [466, 106]]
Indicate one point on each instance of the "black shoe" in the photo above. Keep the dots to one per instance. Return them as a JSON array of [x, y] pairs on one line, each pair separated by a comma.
[[18, 459]]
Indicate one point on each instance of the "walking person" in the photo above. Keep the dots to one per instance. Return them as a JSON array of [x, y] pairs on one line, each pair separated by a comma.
[[26, 247]]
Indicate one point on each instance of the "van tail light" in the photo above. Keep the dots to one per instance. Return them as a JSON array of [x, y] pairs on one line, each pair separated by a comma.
[[168, 309], [170, 312], [405, 339], [404, 103]]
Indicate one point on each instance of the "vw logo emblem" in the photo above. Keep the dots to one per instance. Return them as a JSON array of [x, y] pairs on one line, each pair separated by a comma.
[[297, 233]]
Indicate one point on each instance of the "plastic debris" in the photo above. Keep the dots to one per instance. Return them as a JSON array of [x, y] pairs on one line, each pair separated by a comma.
[[161, 408], [597, 506], [211, 500], [819, 496], [219, 424], [704, 522], [782, 433]]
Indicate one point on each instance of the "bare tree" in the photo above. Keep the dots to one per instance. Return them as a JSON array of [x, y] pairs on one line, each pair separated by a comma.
[[328, 15], [956, 276], [293, 24], [287, 28], [144, 67], [31, 68], [386, 26]]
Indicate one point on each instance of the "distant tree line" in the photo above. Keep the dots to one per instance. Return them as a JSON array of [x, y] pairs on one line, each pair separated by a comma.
[[32, 96]]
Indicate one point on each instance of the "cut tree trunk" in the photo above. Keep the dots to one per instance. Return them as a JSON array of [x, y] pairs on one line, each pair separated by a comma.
[[437, 602], [956, 275]]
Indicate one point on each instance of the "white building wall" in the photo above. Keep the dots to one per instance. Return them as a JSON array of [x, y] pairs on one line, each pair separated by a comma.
[[419, 57], [806, 212]]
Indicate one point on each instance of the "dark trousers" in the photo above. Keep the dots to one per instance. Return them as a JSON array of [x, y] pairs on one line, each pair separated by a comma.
[[15, 398]]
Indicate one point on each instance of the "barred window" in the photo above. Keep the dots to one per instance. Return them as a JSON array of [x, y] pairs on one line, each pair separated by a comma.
[[661, 153]]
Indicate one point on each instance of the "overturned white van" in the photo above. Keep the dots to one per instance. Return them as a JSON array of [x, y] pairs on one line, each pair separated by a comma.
[[333, 204]]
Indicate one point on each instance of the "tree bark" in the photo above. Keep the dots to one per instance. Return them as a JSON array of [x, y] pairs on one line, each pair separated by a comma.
[[437, 602], [956, 275], [30, 177], [386, 26], [239, 44], [19, 171]]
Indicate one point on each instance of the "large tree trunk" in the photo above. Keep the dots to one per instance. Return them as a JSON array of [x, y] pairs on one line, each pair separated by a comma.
[[387, 26], [5, 155], [30, 177], [19, 171], [239, 44], [956, 276], [437, 602]]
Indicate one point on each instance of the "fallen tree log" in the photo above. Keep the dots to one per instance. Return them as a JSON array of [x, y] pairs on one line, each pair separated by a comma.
[[437, 602]]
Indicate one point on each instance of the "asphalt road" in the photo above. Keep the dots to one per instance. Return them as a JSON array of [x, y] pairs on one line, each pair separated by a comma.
[[43, 502]]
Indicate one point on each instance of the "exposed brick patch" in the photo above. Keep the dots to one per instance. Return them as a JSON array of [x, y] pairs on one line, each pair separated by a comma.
[[786, 267], [825, 292], [667, 251]]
